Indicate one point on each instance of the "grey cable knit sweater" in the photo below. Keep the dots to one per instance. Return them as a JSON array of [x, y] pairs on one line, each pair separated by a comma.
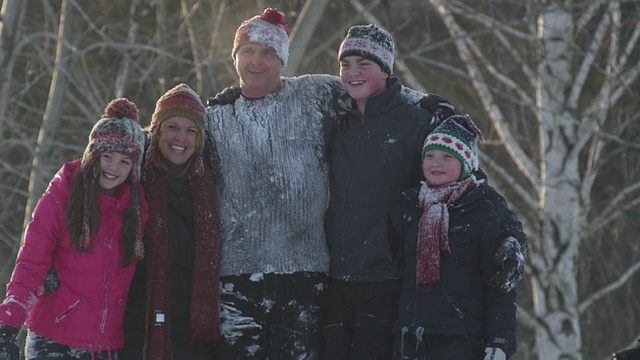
[[270, 162]]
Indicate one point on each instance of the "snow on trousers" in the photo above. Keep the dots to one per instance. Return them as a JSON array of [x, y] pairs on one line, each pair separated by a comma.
[[40, 347], [415, 344], [271, 316]]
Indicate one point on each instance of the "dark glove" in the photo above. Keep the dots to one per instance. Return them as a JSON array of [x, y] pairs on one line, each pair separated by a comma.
[[511, 258], [439, 107], [227, 96], [9, 349], [51, 282], [629, 354]]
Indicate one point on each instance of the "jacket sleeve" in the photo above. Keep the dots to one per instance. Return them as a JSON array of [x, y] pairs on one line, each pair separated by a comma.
[[509, 222], [35, 257], [499, 309]]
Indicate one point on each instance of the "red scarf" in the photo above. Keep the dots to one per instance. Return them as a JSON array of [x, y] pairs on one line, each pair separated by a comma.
[[433, 229], [204, 325]]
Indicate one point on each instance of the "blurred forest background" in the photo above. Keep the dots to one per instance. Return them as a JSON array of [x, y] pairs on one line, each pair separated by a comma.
[[553, 83]]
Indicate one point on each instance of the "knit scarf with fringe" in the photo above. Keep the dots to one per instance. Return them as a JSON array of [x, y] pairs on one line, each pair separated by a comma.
[[204, 322], [433, 228]]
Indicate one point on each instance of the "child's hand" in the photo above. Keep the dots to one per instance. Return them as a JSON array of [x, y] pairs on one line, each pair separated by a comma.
[[510, 257], [494, 353]]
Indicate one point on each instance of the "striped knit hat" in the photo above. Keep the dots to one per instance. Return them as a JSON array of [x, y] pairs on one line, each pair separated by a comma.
[[181, 100], [117, 130], [459, 136], [370, 42], [267, 29]]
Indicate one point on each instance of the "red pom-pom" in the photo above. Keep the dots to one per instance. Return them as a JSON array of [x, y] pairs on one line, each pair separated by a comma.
[[121, 108], [273, 16]]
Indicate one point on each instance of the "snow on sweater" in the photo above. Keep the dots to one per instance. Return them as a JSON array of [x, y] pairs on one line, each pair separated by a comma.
[[271, 165]]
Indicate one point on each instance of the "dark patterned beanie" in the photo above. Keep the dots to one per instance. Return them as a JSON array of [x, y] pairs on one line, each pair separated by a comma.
[[118, 130], [459, 136], [267, 29], [371, 42]]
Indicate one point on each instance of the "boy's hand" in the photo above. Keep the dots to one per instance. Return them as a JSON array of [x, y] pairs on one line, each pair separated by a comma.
[[494, 353]]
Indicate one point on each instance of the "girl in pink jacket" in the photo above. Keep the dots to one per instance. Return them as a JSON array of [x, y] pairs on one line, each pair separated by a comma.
[[87, 226]]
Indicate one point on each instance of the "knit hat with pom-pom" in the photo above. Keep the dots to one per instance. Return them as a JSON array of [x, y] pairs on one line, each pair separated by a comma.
[[182, 101], [267, 29], [371, 42], [457, 135], [118, 130]]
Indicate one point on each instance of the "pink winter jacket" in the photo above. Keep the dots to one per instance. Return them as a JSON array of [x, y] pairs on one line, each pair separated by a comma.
[[87, 308]]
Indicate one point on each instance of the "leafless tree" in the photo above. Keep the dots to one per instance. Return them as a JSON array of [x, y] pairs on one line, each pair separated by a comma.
[[554, 84]]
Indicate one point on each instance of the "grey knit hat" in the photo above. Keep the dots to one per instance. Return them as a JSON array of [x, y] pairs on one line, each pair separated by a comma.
[[371, 42]]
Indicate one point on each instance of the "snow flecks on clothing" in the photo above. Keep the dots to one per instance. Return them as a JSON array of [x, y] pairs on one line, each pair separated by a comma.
[[253, 349], [257, 277], [270, 154], [320, 287], [234, 325], [267, 304]]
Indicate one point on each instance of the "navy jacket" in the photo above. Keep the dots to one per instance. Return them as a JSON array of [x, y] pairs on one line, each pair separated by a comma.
[[373, 158], [461, 302]]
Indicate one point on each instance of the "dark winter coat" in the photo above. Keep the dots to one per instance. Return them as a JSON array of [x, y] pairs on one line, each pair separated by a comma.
[[461, 302], [179, 277], [87, 308], [373, 158]]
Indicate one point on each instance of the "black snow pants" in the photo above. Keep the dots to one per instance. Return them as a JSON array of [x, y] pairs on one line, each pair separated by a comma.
[[271, 316], [359, 320]]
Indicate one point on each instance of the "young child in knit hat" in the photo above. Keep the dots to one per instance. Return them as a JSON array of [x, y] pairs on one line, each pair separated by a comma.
[[88, 226], [173, 310], [447, 308]]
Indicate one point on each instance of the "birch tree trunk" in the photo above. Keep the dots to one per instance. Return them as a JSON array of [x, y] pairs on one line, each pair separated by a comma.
[[301, 33], [39, 178]]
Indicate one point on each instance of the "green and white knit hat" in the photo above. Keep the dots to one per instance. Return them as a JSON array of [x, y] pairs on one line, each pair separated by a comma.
[[457, 135]]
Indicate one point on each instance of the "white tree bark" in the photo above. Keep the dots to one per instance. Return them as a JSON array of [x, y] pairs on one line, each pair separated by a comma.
[[560, 182]]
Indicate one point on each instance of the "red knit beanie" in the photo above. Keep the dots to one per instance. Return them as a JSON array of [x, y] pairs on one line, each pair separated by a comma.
[[178, 101], [267, 29]]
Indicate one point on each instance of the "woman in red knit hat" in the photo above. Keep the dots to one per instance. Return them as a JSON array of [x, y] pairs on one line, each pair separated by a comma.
[[174, 297]]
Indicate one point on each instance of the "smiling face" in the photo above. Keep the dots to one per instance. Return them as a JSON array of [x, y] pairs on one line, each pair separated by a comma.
[[258, 68], [361, 78], [114, 170], [177, 139], [441, 168]]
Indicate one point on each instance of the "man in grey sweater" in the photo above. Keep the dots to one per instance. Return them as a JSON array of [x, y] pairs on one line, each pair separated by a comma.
[[268, 153]]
